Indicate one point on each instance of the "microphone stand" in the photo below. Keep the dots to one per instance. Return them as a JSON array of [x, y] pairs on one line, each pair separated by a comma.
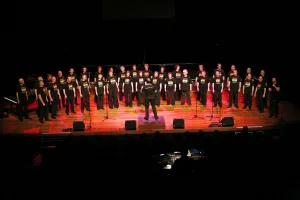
[[212, 111], [90, 126], [106, 105], [196, 115]]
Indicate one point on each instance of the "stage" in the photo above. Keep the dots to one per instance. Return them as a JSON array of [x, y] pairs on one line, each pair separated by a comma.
[[115, 124]]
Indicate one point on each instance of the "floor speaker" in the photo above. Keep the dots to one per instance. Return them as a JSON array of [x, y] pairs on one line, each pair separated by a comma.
[[78, 126], [130, 125], [227, 122], [178, 123]]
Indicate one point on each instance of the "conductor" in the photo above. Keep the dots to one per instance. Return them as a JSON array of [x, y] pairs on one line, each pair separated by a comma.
[[150, 98]]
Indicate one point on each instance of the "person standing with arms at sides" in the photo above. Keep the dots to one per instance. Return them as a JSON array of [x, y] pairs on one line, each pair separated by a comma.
[[74, 79], [149, 98], [274, 100], [121, 78], [54, 96], [61, 82], [70, 94], [22, 100], [234, 87], [157, 86], [162, 78], [199, 74], [112, 90], [147, 73], [248, 91], [231, 73], [265, 80], [260, 93], [177, 74], [43, 102], [134, 76], [100, 91], [185, 86], [99, 71], [37, 85], [84, 91], [170, 88], [203, 86], [139, 85], [128, 89], [217, 89], [84, 72], [221, 72]]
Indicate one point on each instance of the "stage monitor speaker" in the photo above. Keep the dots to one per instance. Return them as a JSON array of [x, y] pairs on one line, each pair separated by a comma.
[[78, 126], [178, 123], [227, 122], [130, 125]]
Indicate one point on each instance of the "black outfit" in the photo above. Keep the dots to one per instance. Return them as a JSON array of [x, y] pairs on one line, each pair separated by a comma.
[[128, 91], [234, 90], [274, 101], [203, 87], [149, 99], [248, 93], [96, 77], [265, 80], [74, 77], [70, 96], [113, 92], [54, 89], [134, 76], [140, 92], [23, 105], [186, 89], [121, 77], [85, 99], [61, 82], [259, 96], [156, 84], [221, 73], [162, 78], [99, 86], [198, 77], [177, 75], [43, 110], [170, 86], [217, 96], [147, 74]]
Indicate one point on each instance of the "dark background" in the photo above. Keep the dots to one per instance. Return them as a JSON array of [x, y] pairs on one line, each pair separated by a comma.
[[59, 36]]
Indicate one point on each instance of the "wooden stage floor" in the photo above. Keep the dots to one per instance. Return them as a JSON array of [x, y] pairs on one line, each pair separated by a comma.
[[116, 124]]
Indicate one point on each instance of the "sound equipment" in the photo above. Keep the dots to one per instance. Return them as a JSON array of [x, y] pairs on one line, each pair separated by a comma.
[[78, 126], [130, 125], [227, 122], [178, 123]]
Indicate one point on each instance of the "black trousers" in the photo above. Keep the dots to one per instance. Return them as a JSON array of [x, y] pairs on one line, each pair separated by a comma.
[[170, 97], [134, 94], [113, 98], [63, 100], [128, 96], [96, 99], [157, 98], [217, 98], [54, 106], [23, 108], [121, 94], [163, 93], [203, 97], [77, 92], [147, 104], [100, 101], [186, 94], [85, 102], [274, 107], [141, 97], [177, 93], [233, 97], [70, 102], [260, 102], [248, 99], [43, 112]]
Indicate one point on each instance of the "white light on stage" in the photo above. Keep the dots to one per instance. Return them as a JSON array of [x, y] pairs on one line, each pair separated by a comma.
[[10, 100], [250, 127]]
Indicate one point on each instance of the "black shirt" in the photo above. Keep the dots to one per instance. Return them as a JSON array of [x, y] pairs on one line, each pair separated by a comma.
[[141, 82], [156, 83], [248, 85], [112, 82], [61, 82], [217, 83], [149, 91], [170, 84], [74, 77], [203, 83], [53, 88], [22, 89], [147, 74], [221, 72], [234, 82], [177, 75], [265, 80], [69, 89], [127, 83], [100, 83], [134, 75], [162, 77], [84, 86], [185, 83], [121, 77], [260, 88], [43, 92], [274, 93]]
